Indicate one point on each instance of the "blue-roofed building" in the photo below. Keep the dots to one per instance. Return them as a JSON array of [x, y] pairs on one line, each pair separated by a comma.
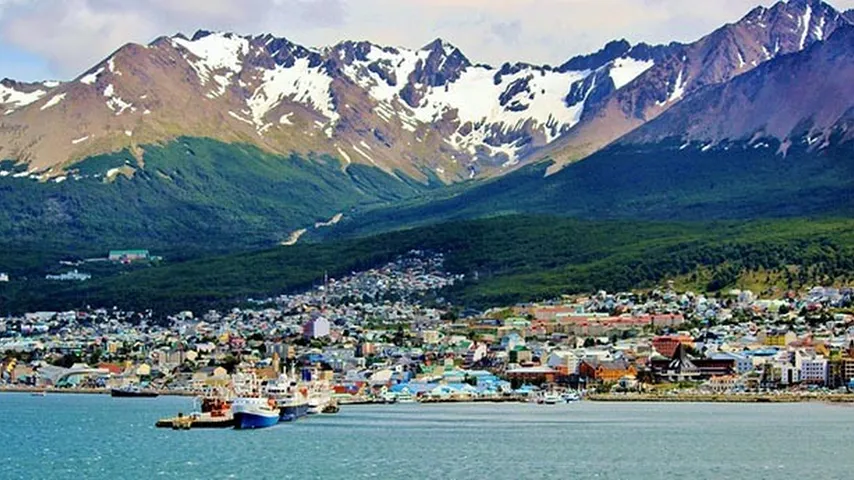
[[511, 341], [764, 352]]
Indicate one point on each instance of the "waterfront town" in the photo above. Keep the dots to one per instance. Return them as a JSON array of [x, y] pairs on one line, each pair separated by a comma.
[[386, 334]]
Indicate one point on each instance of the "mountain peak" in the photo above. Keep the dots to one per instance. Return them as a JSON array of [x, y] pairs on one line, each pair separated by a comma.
[[440, 45], [611, 51], [805, 3], [200, 34]]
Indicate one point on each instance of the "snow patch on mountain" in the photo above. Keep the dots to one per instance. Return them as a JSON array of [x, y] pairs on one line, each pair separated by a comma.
[[301, 84], [396, 66], [368, 157], [53, 101], [805, 24], [218, 58], [627, 69], [91, 78], [115, 102], [16, 99], [678, 89]]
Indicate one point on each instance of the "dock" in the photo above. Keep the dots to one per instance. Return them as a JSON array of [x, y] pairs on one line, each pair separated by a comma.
[[188, 422]]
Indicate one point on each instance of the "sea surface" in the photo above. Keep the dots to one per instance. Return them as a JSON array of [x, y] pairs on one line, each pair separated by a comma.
[[98, 437]]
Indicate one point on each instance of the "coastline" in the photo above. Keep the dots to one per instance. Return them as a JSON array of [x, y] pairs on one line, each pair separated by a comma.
[[86, 391], [721, 398], [604, 397]]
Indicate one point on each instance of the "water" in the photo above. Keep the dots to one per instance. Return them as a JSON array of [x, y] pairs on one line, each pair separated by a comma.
[[98, 437]]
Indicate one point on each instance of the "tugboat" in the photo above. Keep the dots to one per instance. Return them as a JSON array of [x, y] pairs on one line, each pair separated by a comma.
[[132, 391], [251, 413]]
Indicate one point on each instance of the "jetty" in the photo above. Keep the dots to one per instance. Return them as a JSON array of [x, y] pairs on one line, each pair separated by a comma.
[[187, 422]]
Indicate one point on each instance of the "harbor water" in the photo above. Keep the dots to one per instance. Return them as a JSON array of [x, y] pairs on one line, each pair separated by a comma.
[[98, 437]]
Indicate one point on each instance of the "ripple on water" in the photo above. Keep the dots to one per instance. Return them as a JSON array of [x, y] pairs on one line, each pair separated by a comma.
[[96, 437]]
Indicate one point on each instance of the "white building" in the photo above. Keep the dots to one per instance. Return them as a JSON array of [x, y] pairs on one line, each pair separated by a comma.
[[4, 277], [564, 358], [813, 367], [789, 374], [316, 328]]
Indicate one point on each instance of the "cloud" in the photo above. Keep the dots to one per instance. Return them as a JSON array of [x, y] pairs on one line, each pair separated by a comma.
[[508, 32], [322, 13], [72, 35]]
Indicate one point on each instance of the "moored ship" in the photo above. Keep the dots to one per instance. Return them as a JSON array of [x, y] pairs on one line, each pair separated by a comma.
[[319, 395], [132, 391], [253, 413], [290, 396]]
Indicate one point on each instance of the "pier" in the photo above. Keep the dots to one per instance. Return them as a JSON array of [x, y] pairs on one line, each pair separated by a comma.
[[188, 422]]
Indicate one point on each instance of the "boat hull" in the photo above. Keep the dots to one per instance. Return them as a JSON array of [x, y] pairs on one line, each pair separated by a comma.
[[291, 413], [116, 392], [250, 421]]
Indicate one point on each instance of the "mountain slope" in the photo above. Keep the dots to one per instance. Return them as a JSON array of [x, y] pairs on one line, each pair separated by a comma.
[[762, 35], [818, 107], [504, 260], [733, 150], [399, 110], [15, 95], [190, 195]]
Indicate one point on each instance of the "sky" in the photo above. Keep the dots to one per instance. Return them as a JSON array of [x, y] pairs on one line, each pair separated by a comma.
[[59, 39]]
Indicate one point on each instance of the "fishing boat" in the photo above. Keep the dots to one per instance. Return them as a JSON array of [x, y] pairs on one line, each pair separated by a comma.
[[251, 413], [132, 391]]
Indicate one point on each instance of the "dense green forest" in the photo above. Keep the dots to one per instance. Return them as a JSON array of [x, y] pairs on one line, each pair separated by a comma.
[[505, 259], [187, 197], [663, 182]]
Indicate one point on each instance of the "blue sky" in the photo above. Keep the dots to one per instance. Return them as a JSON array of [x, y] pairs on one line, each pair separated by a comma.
[[58, 39]]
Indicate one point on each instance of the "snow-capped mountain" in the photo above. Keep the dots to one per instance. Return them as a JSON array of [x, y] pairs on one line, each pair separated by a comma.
[[747, 111], [15, 95], [429, 112], [734, 49]]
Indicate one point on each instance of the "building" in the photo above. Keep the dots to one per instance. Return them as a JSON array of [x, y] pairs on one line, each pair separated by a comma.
[[813, 368], [776, 338], [847, 369], [667, 345], [725, 383], [743, 364], [129, 256], [564, 361], [316, 328], [532, 375], [72, 276], [4, 277], [606, 372], [681, 367]]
